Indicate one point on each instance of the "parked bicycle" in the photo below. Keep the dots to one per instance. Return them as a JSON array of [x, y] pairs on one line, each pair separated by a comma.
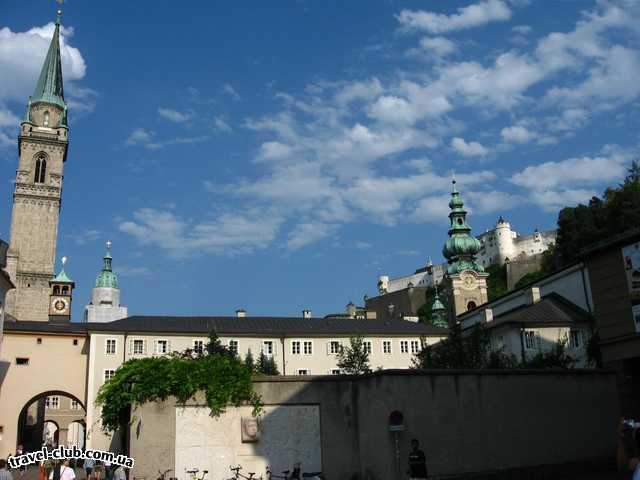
[[295, 474], [237, 475], [163, 475], [193, 474]]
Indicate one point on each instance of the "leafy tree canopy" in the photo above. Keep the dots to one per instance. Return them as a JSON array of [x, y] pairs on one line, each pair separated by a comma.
[[583, 225], [224, 379], [353, 359], [497, 281], [266, 365], [424, 312]]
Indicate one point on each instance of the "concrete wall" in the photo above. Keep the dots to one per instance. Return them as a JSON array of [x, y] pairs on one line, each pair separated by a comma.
[[466, 421]]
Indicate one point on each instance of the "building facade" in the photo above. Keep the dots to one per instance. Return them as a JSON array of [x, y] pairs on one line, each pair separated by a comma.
[[42, 145]]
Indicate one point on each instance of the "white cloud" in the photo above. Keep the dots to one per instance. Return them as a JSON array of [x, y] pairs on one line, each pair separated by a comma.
[[88, 236], [572, 171], [517, 134], [7, 118], [307, 233], [274, 150], [554, 200], [230, 91], [174, 115], [470, 149], [522, 29], [439, 46], [147, 139], [221, 125], [229, 233], [473, 15], [130, 271]]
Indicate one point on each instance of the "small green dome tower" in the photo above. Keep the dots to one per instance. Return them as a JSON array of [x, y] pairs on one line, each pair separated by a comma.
[[461, 247], [106, 278]]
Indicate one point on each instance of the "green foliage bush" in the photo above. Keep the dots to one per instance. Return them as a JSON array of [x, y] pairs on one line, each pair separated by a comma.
[[353, 359]]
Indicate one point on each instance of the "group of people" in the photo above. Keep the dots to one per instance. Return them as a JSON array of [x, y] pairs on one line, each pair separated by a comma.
[[66, 470]]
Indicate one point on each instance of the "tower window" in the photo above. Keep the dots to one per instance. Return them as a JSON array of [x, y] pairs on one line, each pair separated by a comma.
[[65, 290], [41, 168], [56, 290], [46, 119], [471, 305]]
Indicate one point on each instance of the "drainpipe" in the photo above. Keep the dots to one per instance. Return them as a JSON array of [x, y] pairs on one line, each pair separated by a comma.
[[522, 343], [584, 288], [284, 362]]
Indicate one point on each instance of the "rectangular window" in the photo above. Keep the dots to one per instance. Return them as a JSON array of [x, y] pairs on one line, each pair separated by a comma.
[[334, 347], [530, 339], [110, 346], [574, 338], [303, 371], [137, 346], [109, 374], [22, 361], [295, 348], [404, 346], [162, 347], [267, 347], [233, 346], [52, 402], [367, 346], [198, 346], [415, 346], [75, 405], [386, 346], [335, 371], [307, 348]]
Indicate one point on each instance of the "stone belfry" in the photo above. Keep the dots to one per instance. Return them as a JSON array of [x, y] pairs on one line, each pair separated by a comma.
[[42, 147]]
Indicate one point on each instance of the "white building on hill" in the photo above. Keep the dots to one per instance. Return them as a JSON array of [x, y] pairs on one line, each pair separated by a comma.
[[499, 244]]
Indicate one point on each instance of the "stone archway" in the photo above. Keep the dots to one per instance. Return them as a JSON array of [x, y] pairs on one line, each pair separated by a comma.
[[54, 406]]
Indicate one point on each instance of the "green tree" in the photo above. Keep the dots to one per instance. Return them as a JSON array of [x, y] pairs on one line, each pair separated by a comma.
[[617, 212], [353, 359], [249, 362], [497, 281], [557, 357], [266, 365], [456, 351], [633, 172]]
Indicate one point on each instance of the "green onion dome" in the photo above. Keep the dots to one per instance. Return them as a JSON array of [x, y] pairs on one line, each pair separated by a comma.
[[106, 278]]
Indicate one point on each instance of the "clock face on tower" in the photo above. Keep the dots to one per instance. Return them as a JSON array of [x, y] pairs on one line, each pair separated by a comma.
[[468, 280], [59, 306]]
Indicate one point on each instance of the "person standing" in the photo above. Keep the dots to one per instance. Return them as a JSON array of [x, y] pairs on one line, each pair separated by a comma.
[[4, 473], [65, 471], [88, 466], [417, 462], [119, 473]]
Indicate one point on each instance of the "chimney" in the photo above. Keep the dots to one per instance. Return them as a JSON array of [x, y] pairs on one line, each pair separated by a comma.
[[370, 314], [241, 313], [488, 315], [533, 295], [306, 313]]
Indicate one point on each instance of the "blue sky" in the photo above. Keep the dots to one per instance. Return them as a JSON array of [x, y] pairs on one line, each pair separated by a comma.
[[277, 156]]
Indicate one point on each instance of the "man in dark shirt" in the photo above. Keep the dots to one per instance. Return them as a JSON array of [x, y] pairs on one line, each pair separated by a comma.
[[417, 462]]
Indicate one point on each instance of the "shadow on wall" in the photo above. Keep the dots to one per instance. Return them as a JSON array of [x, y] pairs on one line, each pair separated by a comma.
[[466, 421]]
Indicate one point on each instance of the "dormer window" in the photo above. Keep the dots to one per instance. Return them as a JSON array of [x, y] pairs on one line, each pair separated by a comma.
[[46, 119], [41, 168]]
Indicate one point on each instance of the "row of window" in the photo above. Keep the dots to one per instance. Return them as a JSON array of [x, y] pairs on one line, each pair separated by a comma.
[[298, 347], [532, 339], [53, 403]]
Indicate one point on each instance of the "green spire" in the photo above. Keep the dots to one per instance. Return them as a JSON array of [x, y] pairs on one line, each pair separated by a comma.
[[438, 317], [62, 277], [461, 247], [49, 88], [106, 278]]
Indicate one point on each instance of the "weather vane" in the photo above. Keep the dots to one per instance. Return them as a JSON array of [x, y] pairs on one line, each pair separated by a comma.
[[63, 260]]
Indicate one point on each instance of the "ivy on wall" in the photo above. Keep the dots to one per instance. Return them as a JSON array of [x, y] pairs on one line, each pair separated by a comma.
[[216, 371]]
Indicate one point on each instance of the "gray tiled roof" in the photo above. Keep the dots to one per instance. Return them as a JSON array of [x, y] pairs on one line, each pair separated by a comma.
[[552, 309], [280, 326]]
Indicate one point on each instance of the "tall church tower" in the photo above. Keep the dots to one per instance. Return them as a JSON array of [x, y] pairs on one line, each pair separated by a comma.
[[42, 147], [466, 279]]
